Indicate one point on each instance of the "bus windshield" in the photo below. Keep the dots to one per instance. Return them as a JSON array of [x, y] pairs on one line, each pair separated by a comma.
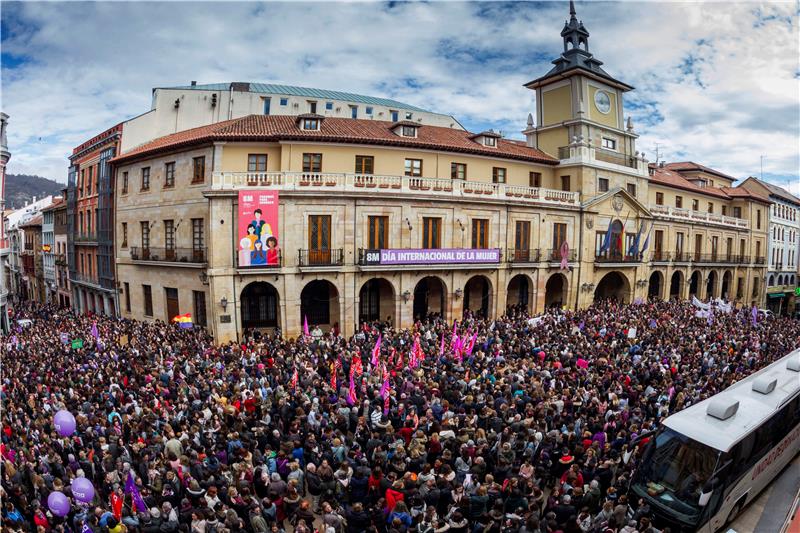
[[673, 472]]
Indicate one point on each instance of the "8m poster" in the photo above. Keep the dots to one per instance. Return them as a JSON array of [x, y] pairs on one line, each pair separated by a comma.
[[258, 239]]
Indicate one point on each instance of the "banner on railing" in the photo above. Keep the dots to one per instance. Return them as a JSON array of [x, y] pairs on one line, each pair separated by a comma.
[[410, 256], [257, 238]]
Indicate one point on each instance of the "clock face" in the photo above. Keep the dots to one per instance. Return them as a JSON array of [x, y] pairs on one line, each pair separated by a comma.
[[602, 102]]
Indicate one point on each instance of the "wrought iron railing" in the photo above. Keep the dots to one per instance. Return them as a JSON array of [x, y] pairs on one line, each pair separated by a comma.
[[173, 255], [517, 255], [330, 257]]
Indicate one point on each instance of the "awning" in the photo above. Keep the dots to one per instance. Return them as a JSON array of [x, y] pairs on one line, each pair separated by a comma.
[[776, 295]]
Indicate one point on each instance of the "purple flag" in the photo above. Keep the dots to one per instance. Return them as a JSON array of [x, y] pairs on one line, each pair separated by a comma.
[[305, 326], [130, 488], [385, 387], [95, 334], [754, 315], [653, 323]]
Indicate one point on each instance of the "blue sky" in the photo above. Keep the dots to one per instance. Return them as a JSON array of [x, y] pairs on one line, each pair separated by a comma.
[[715, 82]]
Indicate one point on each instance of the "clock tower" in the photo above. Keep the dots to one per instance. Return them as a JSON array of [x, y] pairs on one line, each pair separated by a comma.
[[579, 103]]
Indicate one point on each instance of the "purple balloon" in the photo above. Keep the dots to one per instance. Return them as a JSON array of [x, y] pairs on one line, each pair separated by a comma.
[[64, 422], [82, 490], [58, 503]]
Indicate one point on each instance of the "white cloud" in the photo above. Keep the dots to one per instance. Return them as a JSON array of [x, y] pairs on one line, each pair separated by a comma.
[[716, 82]]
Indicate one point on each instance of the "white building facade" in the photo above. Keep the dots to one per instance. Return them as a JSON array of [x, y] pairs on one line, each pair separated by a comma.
[[49, 255], [5, 249]]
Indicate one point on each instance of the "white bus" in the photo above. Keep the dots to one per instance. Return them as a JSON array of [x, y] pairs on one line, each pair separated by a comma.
[[706, 462]]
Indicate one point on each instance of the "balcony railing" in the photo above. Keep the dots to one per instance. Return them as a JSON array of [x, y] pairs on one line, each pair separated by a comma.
[[392, 185], [761, 260], [332, 257], [172, 255], [554, 255], [522, 256], [599, 154], [680, 213], [86, 237], [83, 278], [617, 257]]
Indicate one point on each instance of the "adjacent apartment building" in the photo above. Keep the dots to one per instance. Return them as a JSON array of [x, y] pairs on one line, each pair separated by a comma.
[[5, 247], [268, 220]]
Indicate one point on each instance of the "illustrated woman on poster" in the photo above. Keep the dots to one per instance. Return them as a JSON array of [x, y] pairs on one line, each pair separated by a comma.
[[244, 251], [258, 256], [252, 235], [273, 253]]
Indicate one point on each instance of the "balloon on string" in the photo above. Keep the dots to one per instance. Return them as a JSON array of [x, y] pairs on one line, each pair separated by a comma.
[[82, 490], [58, 503], [64, 422]]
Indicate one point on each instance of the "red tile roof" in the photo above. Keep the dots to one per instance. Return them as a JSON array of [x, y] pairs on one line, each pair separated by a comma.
[[340, 130], [671, 178], [692, 166]]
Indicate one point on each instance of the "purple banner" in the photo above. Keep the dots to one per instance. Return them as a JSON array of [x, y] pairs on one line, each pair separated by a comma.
[[411, 256]]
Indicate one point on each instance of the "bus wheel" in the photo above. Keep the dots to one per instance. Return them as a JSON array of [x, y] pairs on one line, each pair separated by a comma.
[[737, 509]]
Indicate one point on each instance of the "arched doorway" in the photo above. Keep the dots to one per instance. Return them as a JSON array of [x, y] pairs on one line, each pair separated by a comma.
[[555, 291], [376, 301], [429, 298], [694, 283], [614, 286], [727, 278], [711, 284], [675, 285], [478, 296], [259, 305], [319, 303], [519, 291], [654, 286]]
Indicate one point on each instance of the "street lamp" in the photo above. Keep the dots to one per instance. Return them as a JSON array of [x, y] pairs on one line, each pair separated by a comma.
[[224, 303]]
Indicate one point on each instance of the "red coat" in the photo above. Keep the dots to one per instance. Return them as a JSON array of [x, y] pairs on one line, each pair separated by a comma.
[[392, 497]]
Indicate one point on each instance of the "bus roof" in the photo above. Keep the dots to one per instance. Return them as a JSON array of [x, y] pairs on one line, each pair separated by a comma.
[[754, 407]]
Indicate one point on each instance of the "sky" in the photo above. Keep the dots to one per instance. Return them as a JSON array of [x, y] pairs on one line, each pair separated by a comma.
[[716, 83]]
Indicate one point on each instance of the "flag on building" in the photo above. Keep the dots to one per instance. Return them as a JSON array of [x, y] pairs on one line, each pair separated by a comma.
[[564, 256], [607, 239]]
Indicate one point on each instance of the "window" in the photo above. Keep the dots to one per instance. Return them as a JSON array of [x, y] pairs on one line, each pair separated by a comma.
[[169, 175], [414, 167], [602, 184], [480, 233], [369, 110], [724, 210], [267, 102], [378, 237], [631, 187], [127, 297], [312, 162], [409, 115], [311, 124], [741, 247], [257, 163], [431, 232], [564, 183], [199, 318], [559, 235], [81, 181], [198, 169], [365, 164], [319, 239], [145, 227], [409, 131], [698, 246], [124, 234], [535, 179], [329, 106], [353, 111], [659, 198], [458, 171], [312, 106], [758, 249], [758, 218], [169, 234], [610, 144], [695, 205], [147, 293], [490, 141], [125, 182], [522, 235], [755, 287], [284, 101], [498, 175], [80, 221], [146, 179], [710, 207], [89, 181], [679, 202], [395, 115], [198, 235]]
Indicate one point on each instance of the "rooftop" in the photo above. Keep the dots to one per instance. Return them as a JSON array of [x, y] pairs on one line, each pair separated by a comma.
[[778, 191], [273, 128], [671, 178], [291, 90], [688, 166]]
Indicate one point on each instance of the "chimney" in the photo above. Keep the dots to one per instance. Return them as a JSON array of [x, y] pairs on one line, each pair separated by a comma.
[[194, 83], [661, 164], [530, 132]]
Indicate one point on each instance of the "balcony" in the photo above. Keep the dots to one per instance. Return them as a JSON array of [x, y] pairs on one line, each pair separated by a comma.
[[85, 279], [617, 257], [169, 255], [659, 256], [86, 237], [373, 184], [517, 256], [761, 261], [687, 215], [554, 255], [323, 258], [583, 151]]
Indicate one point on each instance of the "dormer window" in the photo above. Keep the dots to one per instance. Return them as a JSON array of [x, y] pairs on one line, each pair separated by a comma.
[[487, 138], [311, 124], [409, 131], [490, 141]]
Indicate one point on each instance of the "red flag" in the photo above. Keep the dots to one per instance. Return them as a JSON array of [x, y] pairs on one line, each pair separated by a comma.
[[351, 395], [293, 383], [376, 351]]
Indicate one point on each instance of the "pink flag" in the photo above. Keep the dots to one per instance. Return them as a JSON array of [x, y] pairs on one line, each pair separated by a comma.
[[376, 351], [441, 346], [385, 387], [95, 333], [471, 345], [293, 383], [564, 256], [305, 326], [582, 363], [351, 396], [386, 405]]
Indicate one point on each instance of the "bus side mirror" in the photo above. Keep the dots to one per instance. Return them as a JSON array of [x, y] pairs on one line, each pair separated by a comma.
[[707, 491]]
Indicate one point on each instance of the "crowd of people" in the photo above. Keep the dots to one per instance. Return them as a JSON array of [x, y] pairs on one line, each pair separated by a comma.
[[522, 430]]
